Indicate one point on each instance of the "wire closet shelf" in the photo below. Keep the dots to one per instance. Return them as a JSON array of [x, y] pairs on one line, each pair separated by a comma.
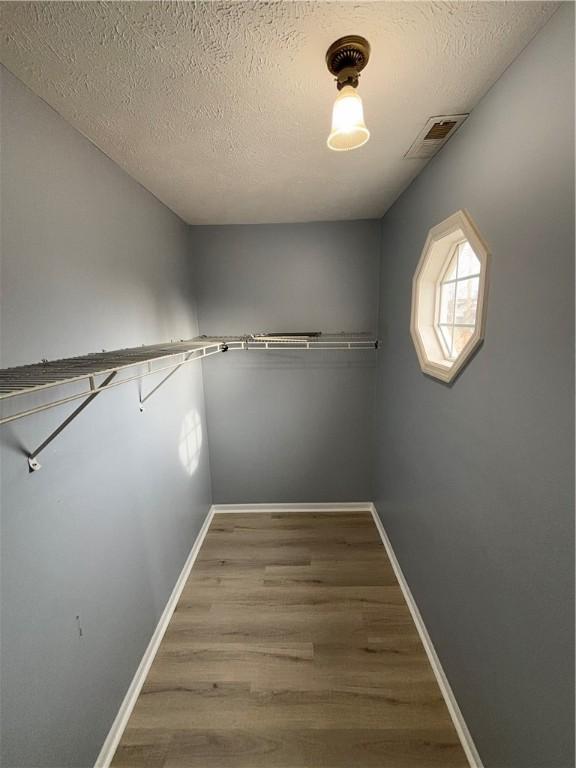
[[136, 363]]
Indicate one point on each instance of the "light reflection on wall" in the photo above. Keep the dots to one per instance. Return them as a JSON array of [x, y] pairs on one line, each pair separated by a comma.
[[190, 442]]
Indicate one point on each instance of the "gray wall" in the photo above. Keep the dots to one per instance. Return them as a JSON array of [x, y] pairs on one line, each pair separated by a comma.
[[90, 260], [287, 426], [475, 481]]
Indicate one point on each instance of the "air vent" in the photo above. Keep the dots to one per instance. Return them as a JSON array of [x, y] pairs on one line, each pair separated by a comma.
[[434, 135]]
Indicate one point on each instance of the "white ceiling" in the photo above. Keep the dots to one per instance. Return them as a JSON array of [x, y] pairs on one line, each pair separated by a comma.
[[222, 109]]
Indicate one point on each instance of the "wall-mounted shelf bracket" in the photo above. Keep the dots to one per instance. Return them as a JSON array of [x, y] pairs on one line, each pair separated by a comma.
[[195, 354], [33, 463]]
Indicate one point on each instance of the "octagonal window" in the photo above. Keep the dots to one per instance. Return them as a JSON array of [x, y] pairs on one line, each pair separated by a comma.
[[448, 297]]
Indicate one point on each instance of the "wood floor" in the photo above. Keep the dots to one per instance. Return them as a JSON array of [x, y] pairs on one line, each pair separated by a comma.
[[291, 647]]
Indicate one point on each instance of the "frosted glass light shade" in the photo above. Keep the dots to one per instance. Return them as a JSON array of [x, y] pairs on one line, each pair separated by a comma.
[[348, 127]]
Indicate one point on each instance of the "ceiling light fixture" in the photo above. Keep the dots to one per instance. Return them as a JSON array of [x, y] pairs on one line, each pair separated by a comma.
[[345, 59]]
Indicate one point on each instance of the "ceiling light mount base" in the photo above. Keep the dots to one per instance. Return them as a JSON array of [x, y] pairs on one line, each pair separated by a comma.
[[346, 58]]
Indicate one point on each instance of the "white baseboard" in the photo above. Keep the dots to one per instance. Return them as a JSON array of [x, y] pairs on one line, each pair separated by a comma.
[[457, 718], [113, 739], [336, 506], [117, 729]]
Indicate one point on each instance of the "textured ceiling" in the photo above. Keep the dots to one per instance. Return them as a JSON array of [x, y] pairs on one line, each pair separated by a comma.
[[222, 109]]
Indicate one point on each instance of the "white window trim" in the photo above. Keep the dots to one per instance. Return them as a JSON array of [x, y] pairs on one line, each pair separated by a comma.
[[438, 250]]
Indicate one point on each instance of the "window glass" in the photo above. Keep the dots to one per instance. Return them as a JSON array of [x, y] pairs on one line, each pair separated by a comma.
[[458, 300], [451, 271], [447, 332], [468, 263], [466, 301], [447, 299], [462, 336]]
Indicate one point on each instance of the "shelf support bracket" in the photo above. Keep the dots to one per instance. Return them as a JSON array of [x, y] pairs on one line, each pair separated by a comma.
[[33, 462], [187, 357]]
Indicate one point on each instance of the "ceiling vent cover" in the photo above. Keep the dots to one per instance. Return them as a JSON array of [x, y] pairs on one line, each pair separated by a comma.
[[434, 135]]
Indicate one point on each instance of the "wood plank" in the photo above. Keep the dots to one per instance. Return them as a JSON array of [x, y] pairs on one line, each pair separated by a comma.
[[291, 647]]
